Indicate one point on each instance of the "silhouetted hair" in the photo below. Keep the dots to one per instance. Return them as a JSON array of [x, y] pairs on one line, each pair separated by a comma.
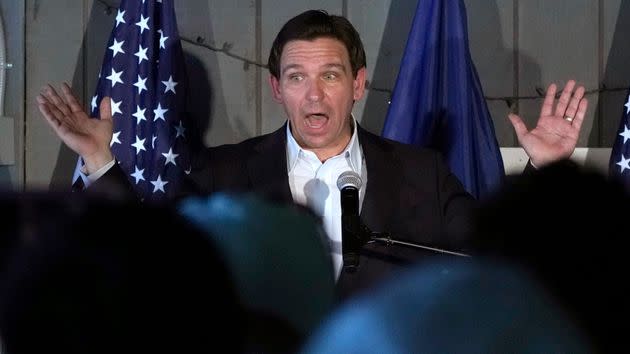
[[96, 276], [565, 223], [314, 24]]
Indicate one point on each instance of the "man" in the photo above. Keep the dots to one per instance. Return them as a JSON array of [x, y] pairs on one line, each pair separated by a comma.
[[317, 65]]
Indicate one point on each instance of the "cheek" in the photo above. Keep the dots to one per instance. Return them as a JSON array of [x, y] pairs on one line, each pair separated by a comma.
[[292, 98]]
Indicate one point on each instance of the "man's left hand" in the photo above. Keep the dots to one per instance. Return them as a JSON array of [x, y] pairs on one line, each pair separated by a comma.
[[556, 133]]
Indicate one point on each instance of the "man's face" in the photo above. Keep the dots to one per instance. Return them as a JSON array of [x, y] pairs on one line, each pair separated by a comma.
[[317, 90]]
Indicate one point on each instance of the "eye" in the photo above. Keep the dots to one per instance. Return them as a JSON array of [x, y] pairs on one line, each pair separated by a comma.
[[296, 77], [330, 76]]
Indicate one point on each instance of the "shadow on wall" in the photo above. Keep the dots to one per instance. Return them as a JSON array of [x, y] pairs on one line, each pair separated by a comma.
[[206, 101], [490, 35], [5, 178], [96, 32], [397, 26], [616, 75], [200, 99]]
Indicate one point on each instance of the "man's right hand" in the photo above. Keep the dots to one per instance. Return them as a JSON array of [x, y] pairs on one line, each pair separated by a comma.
[[88, 137]]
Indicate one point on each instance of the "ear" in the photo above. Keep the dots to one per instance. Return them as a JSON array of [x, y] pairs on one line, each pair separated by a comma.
[[276, 93], [359, 84]]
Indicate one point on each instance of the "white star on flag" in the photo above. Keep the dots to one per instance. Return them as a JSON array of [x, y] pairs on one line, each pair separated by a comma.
[[93, 104], [624, 164], [141, 53], [625, 133], [170, 157], [170, 84], [120, 17], [139, 114], [115, 139], [117, 48], [115, 106], [180, 130], [141, 84], [143, 23], [158, 184], [163, 39], [139, 145], [138, 175], [115, 77], [159, 112]]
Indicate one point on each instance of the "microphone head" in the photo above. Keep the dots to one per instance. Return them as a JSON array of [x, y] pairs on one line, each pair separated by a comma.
[[349, 179]]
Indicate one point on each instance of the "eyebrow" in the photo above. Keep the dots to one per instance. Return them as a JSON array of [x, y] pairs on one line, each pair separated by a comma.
[[327, 66]]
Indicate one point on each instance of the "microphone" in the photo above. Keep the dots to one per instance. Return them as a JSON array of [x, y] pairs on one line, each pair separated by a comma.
[[349, 184], [354, 234]]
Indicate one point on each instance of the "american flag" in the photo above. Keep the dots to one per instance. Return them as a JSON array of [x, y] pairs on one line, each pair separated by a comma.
[[144, 74], [620, 156]]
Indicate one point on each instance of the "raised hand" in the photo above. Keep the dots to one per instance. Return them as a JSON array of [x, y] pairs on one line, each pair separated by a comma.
[[87, 137], [556, 133]]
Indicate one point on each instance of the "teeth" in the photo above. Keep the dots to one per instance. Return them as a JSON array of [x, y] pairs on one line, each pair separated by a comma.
[[315, 120]]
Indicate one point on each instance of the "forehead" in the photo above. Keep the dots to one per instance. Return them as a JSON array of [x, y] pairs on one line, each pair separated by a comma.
[[323, 50]]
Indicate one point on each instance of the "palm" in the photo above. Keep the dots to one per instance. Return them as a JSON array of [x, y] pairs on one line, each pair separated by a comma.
[[88, 137], [84, 135], [554, 137]]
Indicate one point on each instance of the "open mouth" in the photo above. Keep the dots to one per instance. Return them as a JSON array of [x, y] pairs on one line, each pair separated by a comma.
[[316, 120]]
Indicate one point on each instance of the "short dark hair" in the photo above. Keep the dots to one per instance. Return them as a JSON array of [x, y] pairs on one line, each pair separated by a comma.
[[313, 24]]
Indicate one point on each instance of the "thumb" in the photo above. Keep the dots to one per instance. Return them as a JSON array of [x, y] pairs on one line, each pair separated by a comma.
[[517, 123], [105, 109]]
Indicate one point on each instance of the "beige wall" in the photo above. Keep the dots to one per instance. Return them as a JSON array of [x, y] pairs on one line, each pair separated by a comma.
[[518, 47]]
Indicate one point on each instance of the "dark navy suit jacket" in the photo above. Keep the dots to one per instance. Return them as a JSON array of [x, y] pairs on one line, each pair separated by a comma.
[[410, 194]]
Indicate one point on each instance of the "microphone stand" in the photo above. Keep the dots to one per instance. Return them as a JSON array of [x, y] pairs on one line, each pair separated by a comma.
[[385, 237], [361, 235]]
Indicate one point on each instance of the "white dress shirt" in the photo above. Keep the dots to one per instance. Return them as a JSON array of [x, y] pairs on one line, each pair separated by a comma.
[[314, 184]]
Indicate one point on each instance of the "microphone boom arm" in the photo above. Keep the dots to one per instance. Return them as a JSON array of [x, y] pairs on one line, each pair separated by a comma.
[[385, 237]]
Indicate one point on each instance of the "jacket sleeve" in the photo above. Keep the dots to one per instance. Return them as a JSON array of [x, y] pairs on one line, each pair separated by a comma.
[[457, 208]]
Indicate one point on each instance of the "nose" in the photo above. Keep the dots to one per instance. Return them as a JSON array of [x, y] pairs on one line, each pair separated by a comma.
[[315, 91]]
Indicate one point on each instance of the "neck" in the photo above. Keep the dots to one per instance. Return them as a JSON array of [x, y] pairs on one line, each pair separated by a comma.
[[326, 152]]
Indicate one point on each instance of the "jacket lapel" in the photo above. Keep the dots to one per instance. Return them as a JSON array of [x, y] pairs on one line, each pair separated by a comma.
[[268, 174], [383, 180], [267, 167]]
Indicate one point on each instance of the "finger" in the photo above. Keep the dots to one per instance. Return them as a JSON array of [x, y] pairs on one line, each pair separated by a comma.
[[71, 99], [53, 97], [519, 126], [547, 106], [40, 98], [581, 113], [52, 109], [565, 97], [50, 118], [575, 102], [42, 105], [105, 108]]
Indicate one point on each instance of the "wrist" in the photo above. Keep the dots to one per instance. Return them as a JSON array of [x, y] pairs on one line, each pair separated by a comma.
[[96, 161]]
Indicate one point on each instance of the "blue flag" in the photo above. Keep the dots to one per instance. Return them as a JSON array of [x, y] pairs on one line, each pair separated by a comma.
[[619, 165], [438, 101], [144, 74]]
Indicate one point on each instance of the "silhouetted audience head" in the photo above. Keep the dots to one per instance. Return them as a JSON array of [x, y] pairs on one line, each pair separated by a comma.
[[279, 258], [565, 224], [95, 276], [451, 307]]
